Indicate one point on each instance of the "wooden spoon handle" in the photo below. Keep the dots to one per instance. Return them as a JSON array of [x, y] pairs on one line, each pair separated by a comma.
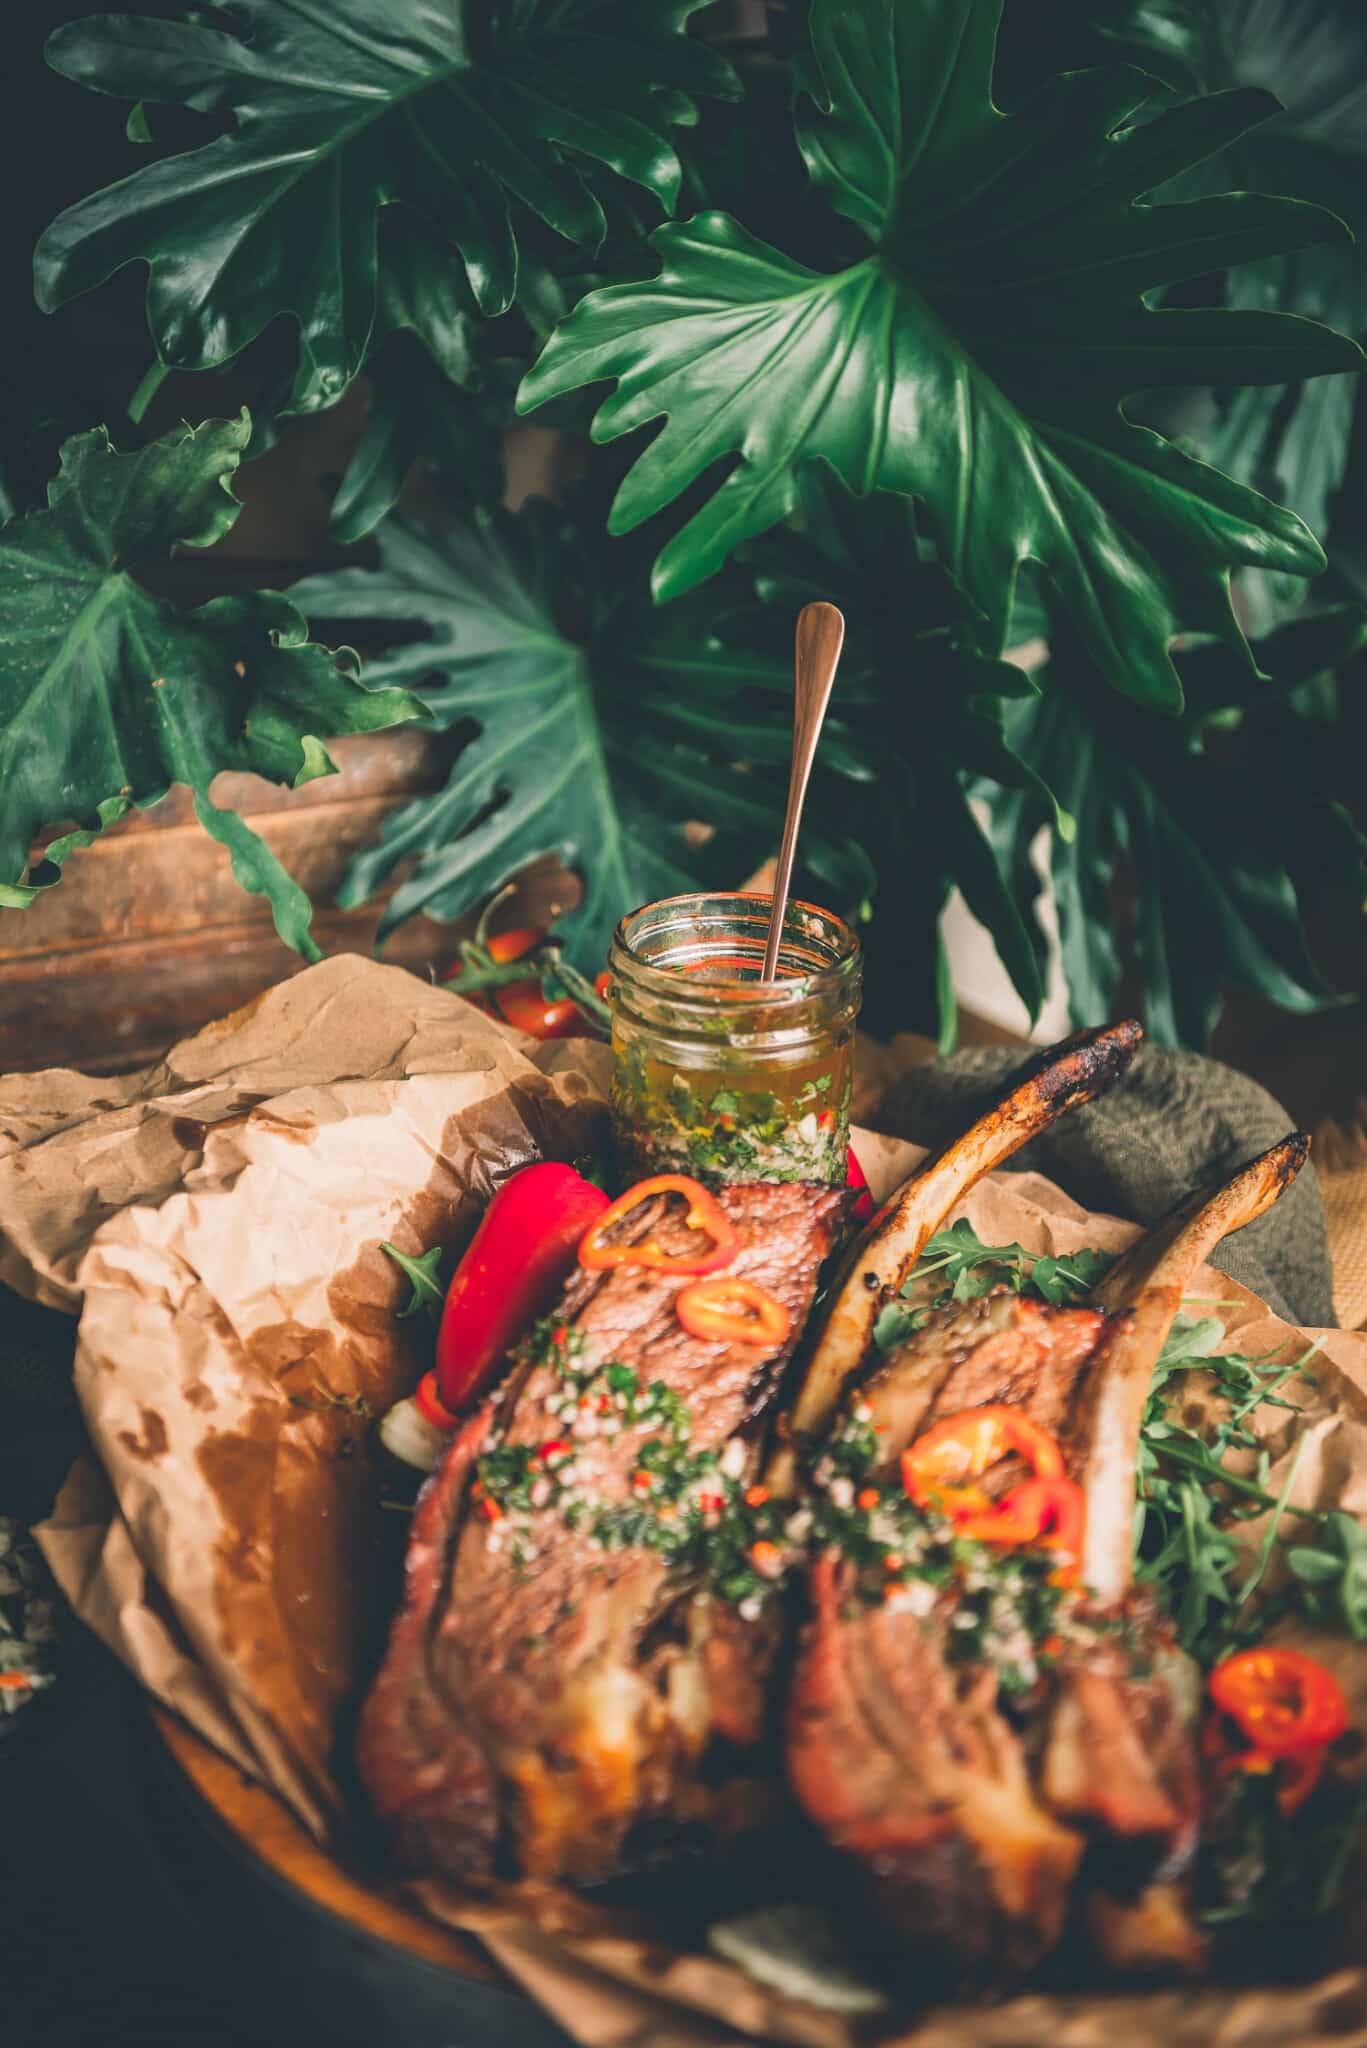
[[820, 637]]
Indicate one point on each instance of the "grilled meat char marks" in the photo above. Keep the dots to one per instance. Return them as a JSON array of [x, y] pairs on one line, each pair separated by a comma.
[[983, 1814], [564, 1674]]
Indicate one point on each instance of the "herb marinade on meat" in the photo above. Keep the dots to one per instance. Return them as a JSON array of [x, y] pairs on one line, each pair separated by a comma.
[[551, 1690]]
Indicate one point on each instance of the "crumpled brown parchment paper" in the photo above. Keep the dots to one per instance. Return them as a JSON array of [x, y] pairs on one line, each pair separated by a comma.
[[217, 1220]]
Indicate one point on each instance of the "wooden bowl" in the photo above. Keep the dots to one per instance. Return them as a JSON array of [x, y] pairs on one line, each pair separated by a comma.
[[367, 1965]]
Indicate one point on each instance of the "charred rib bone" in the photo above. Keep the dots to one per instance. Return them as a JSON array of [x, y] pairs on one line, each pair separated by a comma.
[[1063, 1078], [971, 1823]]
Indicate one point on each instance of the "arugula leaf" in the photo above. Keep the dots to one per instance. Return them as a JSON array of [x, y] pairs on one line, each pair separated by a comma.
[[976, 359], [1270, 1866], [968, 1268], [428, 1293], [585, 746], [1191, 1504], [1333, 1575], [455, 113], [110, 696]]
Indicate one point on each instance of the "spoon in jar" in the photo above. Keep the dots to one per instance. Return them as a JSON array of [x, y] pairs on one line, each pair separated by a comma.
[[820, 637]]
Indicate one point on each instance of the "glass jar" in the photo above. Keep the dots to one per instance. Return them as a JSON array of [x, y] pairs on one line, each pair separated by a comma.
[[717, 1073]]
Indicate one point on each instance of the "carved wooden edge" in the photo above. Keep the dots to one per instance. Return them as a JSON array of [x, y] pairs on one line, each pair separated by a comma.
[[265, 1829]]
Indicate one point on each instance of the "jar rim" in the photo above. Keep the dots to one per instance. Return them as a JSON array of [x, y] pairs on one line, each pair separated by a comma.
[[788, 990]]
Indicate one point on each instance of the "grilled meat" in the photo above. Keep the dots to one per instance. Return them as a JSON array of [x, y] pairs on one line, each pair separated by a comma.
[[557, 1698], [969, 1813]]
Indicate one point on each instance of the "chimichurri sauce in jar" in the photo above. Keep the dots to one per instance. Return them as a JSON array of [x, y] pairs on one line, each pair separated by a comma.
[[717, 1073]]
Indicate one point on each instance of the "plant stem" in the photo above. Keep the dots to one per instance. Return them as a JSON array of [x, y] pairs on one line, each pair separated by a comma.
[[584, 994], [152, 380]]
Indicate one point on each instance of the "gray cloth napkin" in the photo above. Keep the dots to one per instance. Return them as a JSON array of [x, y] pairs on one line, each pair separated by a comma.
[[1174, 1121]]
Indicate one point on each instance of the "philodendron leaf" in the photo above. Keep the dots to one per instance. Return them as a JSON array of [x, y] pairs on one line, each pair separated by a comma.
[[587, 746], [976, 358], [1293, 442], [1214, 835], [108, 695], [427, 383], [456, 112]]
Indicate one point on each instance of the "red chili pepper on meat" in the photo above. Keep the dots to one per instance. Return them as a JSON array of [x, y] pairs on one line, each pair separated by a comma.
[[1048, 1510], [514, 1267], [729, 1310], [1050, 1514], [705, 1214], [941, 1469]]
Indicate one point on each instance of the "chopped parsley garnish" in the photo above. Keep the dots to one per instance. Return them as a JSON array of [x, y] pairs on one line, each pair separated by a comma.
[[702, 1124]]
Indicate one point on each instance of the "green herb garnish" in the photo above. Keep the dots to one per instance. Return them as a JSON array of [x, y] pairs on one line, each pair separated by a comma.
[[425, 1274]]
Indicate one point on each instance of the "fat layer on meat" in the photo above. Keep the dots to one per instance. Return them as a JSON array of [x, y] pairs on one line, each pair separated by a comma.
[[971, 1851]]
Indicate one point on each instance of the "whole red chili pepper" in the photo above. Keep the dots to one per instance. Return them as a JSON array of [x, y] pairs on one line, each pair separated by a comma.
[[513, 1269], [861, 1208]]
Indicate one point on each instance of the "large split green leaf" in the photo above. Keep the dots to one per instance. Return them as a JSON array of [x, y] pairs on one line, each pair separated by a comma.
[[589, 740], [1213, 828], [976, 356], [456, 112], [925, 717], [108, 695], [1292, 441]]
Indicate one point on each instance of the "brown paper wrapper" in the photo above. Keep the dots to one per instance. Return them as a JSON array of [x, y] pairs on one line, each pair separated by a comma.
[[217, 1219]]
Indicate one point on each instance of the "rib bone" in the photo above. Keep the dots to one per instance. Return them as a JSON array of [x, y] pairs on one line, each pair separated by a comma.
[[1148, 1284], [1105, 1756], [1064, 1077]]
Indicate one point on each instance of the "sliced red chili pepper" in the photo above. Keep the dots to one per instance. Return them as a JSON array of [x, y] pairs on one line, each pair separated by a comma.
[[1296, 1775], [941, 1468], [729, 1310], [1280, 1699], [705, 1214], [1047, 1513]]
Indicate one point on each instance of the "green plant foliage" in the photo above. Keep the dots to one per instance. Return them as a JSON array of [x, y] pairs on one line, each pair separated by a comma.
[[1291, 441], [936, 278], [454, 112], [1214, 827], [426, 382], [977, 357], [108, 695], [586, 746], [925, 718]]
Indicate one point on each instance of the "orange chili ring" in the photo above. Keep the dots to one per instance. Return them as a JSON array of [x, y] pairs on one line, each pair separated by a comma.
[[940, 1469], [729, 1310], [705, 1214], [1048, 1513], [1281, 1700]]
